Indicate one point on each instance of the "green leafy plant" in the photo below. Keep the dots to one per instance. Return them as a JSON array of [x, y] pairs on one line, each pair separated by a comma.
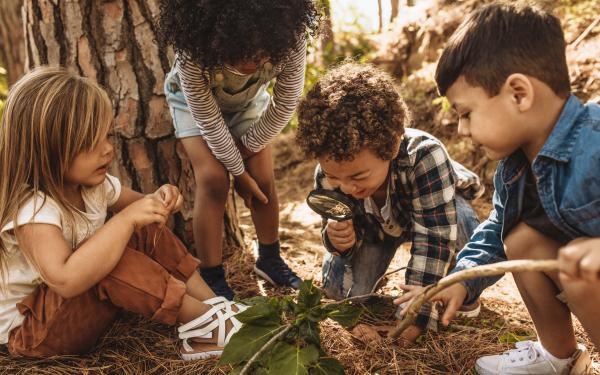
[[281, 335]]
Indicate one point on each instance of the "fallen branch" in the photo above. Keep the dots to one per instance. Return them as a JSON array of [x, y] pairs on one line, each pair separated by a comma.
[[585, 33], [471, 273], [360, 298]]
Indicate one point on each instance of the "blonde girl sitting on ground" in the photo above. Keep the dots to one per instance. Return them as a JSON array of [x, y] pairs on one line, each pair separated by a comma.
[[66, 271]]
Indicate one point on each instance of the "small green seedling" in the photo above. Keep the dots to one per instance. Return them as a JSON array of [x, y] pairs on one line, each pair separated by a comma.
[[281, 335]]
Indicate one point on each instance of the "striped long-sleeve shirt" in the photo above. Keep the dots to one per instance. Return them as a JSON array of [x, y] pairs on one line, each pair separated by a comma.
[[208, 117]]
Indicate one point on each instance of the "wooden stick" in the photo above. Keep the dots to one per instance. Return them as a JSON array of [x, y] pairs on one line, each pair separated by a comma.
[[585, 33], [471, 273]]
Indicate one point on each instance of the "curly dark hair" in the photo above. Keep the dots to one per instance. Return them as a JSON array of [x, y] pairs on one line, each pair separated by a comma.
[[211, 33], [352, 107]]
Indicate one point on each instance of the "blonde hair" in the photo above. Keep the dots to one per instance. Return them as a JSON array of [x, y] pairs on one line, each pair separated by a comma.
[[50, 116]]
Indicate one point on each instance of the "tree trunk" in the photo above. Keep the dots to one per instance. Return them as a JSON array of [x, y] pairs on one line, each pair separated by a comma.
[[395, 7], [12, 46], [114, 42], [380, 14]]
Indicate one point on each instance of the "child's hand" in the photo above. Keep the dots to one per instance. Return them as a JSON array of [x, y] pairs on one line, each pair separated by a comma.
[[370, 334], [580, 259], [452, 298], [170, 196], [341, 234], [247, 188], [147, 210]]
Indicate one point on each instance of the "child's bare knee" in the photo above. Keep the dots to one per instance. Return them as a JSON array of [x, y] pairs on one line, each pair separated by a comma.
[[517, 243], [214, 184], [524, 242]]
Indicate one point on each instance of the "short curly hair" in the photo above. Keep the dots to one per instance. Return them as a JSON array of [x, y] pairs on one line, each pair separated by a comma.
[[212, 33], [354, 106]]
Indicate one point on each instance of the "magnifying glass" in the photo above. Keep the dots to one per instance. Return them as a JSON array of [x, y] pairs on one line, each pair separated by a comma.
[[331, 204]]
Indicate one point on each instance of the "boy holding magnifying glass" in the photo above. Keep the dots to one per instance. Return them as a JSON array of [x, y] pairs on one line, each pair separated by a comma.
[[405, 184]]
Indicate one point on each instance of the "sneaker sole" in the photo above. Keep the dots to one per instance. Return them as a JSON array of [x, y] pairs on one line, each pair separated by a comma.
[[481, 371], [265, 276], [469, 314], [201, 355]]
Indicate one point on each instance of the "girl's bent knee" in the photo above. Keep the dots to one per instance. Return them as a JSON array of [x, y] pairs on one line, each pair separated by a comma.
[[212, 186]]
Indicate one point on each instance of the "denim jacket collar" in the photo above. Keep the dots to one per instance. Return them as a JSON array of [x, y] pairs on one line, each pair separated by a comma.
[[559, 145]]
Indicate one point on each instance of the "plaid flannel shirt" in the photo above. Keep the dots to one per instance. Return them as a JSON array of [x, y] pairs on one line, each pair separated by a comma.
[[424, 180]]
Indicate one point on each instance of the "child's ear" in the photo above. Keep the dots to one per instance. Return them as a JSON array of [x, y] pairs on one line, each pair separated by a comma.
[[520, 89]]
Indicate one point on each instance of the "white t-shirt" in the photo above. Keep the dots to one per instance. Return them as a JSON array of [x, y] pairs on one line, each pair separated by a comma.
[[385, 216], [21, 278]]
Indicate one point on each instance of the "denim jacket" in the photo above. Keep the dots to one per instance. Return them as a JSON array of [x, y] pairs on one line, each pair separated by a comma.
[[567, 169]]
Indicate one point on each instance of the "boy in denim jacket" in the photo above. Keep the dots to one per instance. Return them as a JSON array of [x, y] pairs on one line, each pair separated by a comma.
[[407, 187], [505, 73]]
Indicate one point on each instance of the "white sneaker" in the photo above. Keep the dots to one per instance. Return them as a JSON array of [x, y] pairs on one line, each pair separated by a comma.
[[530, 358], [469, 311]]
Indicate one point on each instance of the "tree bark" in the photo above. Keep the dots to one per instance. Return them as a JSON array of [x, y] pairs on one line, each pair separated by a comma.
[[380, 15], [114, 43], [395, 7], [12, 46]]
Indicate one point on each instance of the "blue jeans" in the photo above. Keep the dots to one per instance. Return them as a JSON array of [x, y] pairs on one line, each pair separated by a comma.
[[344, 278]]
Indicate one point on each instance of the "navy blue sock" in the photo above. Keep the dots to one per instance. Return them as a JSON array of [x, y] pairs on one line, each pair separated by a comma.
[[268, 251], [211, 274]]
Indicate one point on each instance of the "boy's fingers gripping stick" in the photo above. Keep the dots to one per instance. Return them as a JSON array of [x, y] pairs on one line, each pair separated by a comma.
[[451, 309], [580, 259], [468, 274]]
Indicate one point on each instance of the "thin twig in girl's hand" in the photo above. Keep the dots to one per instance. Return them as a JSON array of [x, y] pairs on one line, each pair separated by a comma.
[[157, 237]]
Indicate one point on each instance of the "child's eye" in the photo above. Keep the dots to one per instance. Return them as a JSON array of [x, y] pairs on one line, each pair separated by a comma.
[[464, 116]]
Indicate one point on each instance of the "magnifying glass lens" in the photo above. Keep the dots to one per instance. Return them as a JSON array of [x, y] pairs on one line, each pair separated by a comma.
[[331, 204]]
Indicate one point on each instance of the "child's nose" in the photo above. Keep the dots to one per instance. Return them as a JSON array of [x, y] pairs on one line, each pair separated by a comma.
[[108, 148], [347, 188]]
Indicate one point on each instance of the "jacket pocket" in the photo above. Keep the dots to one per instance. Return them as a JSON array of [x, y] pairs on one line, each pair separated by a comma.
[[585, 219]]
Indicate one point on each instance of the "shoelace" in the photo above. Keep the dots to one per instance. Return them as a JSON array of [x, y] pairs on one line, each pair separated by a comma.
[[526, 349], [281, 268]]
